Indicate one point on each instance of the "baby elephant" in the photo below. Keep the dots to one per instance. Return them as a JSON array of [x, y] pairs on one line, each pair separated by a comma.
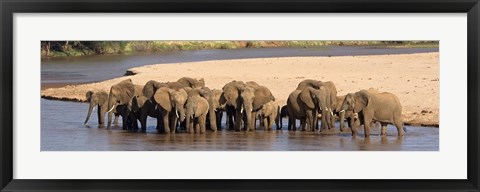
[[382, 107], [269, 114], [196, 111]]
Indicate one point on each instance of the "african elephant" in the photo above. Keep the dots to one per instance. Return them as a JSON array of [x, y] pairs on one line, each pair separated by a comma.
[[253, 97], [191, 82], [233, 101], [304, 105], [382, 107], [327, 112], [270, 113], [196, 111], [99, 99], [120, 95], [171, 104], [141, 108], [215, 107]]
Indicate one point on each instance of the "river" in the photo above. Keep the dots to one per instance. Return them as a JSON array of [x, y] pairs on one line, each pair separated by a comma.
[[62, 126]]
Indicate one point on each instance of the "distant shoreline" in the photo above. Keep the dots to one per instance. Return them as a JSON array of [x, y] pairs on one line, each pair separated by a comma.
[[412, 77], [59, 49]]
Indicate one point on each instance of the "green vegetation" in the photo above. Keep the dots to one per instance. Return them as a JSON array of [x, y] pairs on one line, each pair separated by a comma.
[[79, 48]]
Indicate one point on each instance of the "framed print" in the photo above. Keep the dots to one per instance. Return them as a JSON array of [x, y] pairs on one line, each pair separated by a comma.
[[245, 96]]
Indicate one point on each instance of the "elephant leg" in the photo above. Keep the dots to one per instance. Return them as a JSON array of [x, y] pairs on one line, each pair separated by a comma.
[[315, 121], [384, 129], [253, 123], [166, 126], [109, 120], [280, 122], [310, 121], [333, 119], [238, 119], [367, 124], [265, 123], [303, 123], [400, 128], [133, 121], [324, 120], [231, 118], [291, 123], [202, 120], [191, 125], [219, 115], [159, 121], [173, 123], [100, 115], [124, 122], [271, 120], [196, 124]]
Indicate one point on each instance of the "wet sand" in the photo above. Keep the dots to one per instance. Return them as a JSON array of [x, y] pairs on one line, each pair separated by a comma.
[[414, 78]]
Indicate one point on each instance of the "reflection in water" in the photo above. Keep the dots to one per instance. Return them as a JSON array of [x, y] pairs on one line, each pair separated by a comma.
[[63, 130]]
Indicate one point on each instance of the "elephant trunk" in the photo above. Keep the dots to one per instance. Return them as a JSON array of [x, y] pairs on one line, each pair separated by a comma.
[[189, 121], [212, 118], [181, 116], [90, 109], [250, 118], [111, 106], [342, 120]]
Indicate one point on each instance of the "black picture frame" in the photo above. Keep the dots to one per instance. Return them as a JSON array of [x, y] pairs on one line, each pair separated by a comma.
[[9, 7]]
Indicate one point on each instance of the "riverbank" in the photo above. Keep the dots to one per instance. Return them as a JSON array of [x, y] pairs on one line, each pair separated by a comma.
[[412, 77], [59, 49]]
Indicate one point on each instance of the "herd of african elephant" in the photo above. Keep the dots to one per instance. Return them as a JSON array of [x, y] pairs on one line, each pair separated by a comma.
[[188, 104]]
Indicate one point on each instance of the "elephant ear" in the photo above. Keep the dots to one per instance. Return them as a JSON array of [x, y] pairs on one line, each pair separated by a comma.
[[88, 95], [362, 99], [141, 101], [162, 98], [306, 97], [148, 89], [262, 97], [221, 98], [126, 90]]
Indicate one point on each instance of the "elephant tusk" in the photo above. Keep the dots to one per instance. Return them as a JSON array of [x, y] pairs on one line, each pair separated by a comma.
[[341, 111], [176, 113], [215, 110], [241, 110], [111, 109], [331, 112]]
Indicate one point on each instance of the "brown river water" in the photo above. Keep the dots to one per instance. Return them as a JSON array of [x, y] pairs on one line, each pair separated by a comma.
[[63, 130], [62, 126]]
